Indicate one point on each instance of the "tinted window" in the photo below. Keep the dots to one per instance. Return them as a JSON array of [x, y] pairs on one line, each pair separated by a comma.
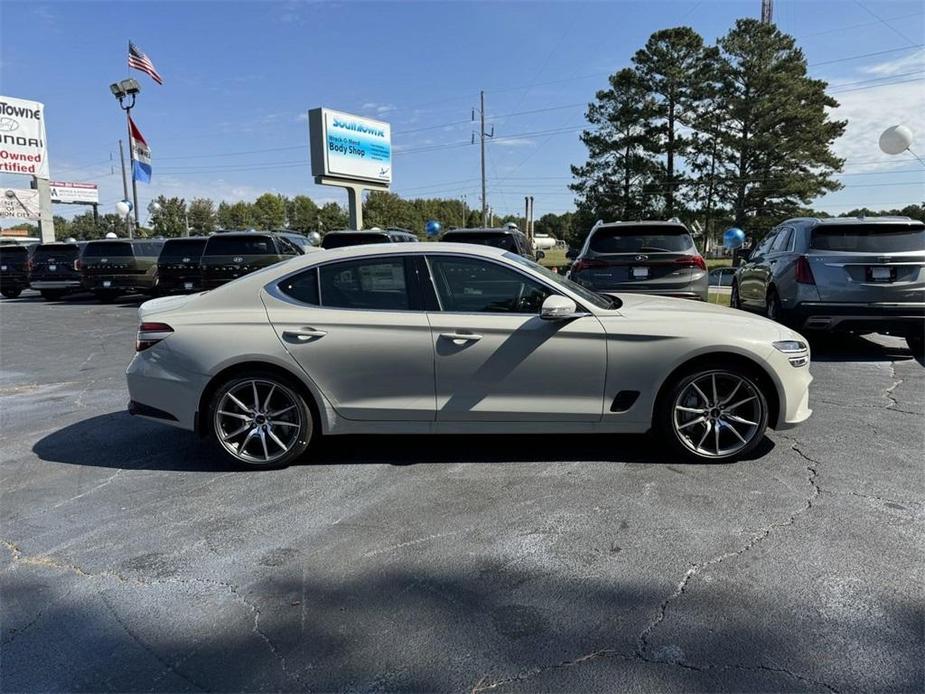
[[355, 239], [108, 249], [782, 242], [63, 250], [365, 284], [148, 248], [302, 287], [467, 285], [870, 238], [240, 245], [627, 238], [286, 246], [505, 241], [183, 248], [13, 253], [765, 244], [594, 299]]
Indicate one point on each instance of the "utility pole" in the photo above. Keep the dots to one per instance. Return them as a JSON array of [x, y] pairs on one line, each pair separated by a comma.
[[767, 11], [482, 136], [131, 154], [128, 217]]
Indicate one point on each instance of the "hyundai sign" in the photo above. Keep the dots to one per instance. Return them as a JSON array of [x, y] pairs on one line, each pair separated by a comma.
[[349, 147]]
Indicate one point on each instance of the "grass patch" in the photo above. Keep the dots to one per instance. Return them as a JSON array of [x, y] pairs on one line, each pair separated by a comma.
[[718, 262], [717, 298], [555, 257]]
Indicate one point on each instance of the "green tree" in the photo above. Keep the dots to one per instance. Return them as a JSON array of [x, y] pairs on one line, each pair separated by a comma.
[[269, 211], [202, 215], [170, 218], [302, 214], [382, 209], [331, 217], [236, 215], [775, 134]]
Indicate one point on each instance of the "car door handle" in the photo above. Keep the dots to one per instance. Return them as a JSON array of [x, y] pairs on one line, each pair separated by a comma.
[[304, 334], [465, 337]]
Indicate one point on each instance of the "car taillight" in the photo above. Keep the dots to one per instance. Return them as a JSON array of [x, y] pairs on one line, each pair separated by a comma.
[[149, 334], [77, 265], [804, 273], [692, 261], [584, 264]]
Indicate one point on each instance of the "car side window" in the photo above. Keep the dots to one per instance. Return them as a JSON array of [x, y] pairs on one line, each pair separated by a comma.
[[470, 285], [765, 245], [782, 242], [302, 287], [369, 284]]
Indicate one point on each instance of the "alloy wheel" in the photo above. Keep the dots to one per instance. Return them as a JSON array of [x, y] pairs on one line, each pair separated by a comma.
[[718, 414], [258, 421]]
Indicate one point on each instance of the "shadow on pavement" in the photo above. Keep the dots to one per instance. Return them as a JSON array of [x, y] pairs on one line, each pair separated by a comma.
[[836, 347], [118, 440]]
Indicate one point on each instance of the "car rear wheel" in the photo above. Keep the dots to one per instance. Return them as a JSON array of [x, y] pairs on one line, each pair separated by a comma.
[[715, 414], [10, 292], [772, 306], [260, 420]]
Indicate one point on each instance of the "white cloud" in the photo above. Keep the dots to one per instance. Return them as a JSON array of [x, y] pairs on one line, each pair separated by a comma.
[[514, 142], [907, 63]]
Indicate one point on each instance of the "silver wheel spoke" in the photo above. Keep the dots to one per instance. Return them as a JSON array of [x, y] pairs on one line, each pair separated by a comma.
[[742, 402], [238, 403], [715, 395], [235, 415], [276, 440], [282, 411], [236, 432], [256, 397], [701, 393], [732, 394], [739, 420], [705, 434], [247, 439], [266, 403], [285, 424], [699, 420], [263, 440], [693, 410], [733, 430], [716, 426]]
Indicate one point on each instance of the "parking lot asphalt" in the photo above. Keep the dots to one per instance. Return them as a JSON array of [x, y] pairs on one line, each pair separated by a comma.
[[133, 559]]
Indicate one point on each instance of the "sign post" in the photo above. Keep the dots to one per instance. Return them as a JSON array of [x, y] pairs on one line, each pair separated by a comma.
[[350, 152], [23, 151]]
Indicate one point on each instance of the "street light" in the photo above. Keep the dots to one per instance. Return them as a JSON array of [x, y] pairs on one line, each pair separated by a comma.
[[122, 91]]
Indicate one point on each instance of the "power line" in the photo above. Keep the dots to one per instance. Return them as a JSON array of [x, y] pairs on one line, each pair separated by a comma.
[[883, 22]]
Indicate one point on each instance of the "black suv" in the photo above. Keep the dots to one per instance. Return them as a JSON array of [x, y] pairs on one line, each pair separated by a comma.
[[56, 269], [178, 267], [14, 269], [512, 240], [110, 267], [339, 239], [230, 255]]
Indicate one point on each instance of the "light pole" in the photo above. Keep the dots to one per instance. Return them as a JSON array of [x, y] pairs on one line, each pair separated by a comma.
[[122, 91]]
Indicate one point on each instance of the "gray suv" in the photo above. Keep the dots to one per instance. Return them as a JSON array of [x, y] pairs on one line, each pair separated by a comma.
[[647, 257], [863, 275]]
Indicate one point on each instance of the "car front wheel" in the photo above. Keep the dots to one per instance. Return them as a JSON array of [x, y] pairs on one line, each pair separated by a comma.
[[11, 292], [715, 414], [260, 420]]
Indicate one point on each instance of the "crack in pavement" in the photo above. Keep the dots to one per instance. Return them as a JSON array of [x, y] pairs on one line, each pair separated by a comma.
[[866, 406], [19, 557]]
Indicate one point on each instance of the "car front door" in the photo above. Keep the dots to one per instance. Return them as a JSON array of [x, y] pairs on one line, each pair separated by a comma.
[[359, 331], [753, 278], [497, 360]]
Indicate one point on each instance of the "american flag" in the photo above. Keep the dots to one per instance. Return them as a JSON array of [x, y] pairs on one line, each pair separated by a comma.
[[138, 60]]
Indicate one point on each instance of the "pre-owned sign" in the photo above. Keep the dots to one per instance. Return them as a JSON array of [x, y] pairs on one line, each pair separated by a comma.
[[19, 203], [22, 137], [81, 193], [350, 147]]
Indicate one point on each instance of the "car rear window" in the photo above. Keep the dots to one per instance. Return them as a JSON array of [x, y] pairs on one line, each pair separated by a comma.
[[13, 253], [59, 250], [505, 241], [103, 249], [183, 248], [356, 239], [627, 238], [240, 245], [869, 238]]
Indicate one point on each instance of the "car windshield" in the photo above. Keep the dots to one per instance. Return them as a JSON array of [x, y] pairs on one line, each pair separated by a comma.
[[13, 253], [183, 248], [58, 250], [869, 238], [493, 239], [598, 300], [240, 245], [630, 238], [105, 249], [352, 239]]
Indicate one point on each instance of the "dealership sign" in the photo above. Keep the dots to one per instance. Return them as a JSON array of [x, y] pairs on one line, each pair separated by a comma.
[[22, 137], [80, 193], [19, 203], [349, 147]]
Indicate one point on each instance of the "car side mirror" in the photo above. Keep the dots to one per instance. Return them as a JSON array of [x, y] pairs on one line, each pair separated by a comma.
[[557, 307], [571, 254], [540, 255]]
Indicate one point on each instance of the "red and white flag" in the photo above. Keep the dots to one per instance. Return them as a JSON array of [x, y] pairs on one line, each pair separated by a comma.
[[139, 61]]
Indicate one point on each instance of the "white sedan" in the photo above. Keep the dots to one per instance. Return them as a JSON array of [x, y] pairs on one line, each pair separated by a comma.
[[450, 338]]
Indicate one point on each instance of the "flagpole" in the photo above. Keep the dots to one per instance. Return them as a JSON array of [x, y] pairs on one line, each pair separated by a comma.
[[128, 219], [131, 155]]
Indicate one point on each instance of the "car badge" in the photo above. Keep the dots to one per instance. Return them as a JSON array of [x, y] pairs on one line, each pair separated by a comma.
[[186, 260], [104, 260], [640, 258], [237, 259]]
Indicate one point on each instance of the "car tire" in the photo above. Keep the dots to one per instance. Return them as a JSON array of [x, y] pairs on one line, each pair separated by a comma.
[[725, 426], [916, 345], [734, 300], [261, 420], [773, 310], [11, 292], [51, 294]]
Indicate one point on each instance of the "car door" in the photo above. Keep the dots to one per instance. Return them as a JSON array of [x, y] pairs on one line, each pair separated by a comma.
[[497, 360], [753, 279], [357, 328]]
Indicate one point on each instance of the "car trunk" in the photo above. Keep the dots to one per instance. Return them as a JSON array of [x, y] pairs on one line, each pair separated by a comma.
[[55, 262], [13, 259], [226, 258], [869, 262], [179, 263], [109, 258]]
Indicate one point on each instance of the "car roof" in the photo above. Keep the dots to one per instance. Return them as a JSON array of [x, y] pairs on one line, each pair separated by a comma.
[[374, 249], [244, 234], [475, 230], [644, 223], [827, 221]]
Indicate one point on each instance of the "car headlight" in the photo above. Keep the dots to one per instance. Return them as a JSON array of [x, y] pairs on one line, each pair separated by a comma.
[[797, 352]]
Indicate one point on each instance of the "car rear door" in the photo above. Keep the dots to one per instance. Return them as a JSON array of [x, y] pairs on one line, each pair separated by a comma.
[[753, 278], [864, 263], [358, 330], [497, 360]]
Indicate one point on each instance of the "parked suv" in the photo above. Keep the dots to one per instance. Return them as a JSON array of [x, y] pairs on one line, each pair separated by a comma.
[[509, 239], [110, 267], [14, 269], [647, 257], [230, 255], [863, 275], [339, 239], [55, 269], [178, 265]]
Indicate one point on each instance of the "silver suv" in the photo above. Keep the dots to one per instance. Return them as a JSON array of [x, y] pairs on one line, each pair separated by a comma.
[[863, 275], [646, 257]]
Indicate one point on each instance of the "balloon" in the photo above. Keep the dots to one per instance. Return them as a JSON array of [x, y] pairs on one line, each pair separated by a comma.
[[314, 238], [123, 207], [733, 238], [111, 235], [896, 139], [432, 227]]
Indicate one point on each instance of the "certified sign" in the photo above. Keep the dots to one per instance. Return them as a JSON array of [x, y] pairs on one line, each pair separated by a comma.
[[22, 137], [350, 147], [19, 203], [66, 192]]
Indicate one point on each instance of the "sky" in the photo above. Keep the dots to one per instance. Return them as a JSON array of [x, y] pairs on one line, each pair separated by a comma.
[[230, 122]]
